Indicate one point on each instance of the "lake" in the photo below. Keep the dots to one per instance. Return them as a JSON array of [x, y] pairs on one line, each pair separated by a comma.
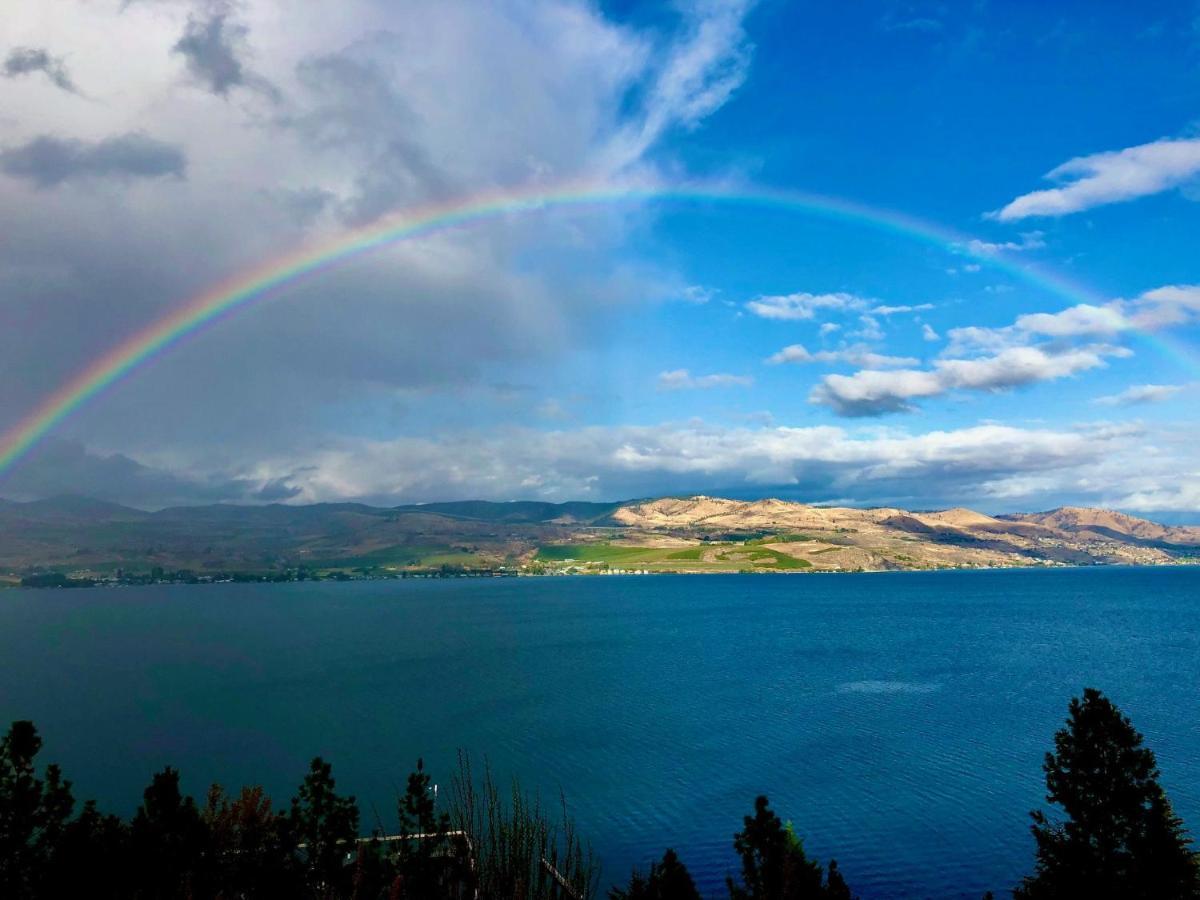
[[898, 720]]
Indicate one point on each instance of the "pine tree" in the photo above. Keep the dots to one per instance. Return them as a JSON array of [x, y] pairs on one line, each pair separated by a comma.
[[423, 834], [327, 826], [33, 813], [1119, 837], [666, 880], [774, 866], [169, 841]]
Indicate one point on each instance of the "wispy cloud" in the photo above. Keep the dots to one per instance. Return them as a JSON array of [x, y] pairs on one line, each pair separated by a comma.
[[1139, 394], [1111, 177], [699, 73], [683, 380], [27, 60], [858, 355], [896, 310], [1030, 240], [802, 305]]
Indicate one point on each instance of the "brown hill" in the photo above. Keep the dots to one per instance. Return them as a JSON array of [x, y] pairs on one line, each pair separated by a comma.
[[1109, 524]]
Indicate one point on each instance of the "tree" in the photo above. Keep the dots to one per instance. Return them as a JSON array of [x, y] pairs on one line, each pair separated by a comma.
[[1119, 837], [835, 885], [327, 827], [252, 848], [33, 813], [774, 865], [92, 858], [666, 880], [169, 841], [423, 832]]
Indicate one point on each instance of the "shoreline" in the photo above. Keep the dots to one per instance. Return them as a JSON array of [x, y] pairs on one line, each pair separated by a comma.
[[422, 576]]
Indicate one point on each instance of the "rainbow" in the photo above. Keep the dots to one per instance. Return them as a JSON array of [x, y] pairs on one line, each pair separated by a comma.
[[275, 277]]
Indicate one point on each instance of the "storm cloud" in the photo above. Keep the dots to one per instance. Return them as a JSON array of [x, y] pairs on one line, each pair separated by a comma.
[[211, 47], [47, 161]]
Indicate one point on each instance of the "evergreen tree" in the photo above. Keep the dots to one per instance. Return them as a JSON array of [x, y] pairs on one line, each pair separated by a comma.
[[423, 833], [666, 880], [835, 885], [327, 826], [169, 843], [33, 813], [1120, 838], [92, 858], [774, 866]]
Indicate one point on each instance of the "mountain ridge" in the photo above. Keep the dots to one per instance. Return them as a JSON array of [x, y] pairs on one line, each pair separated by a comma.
[[696, 533]]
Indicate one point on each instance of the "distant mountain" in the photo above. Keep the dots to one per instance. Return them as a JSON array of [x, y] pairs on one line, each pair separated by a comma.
[[76, 508], [681, 534], [529, 511]]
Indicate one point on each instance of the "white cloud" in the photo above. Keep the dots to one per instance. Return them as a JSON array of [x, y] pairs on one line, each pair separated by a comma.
[[817, 463], [804, 306], [857, 355], [1110, 177], [869, 329], [1000, 466], [1031, 240], [873, 393], [1140, 393], [894, 310], [928, 333], [683, 380], [1162, 307]]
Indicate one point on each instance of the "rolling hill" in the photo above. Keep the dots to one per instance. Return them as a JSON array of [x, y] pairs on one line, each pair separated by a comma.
[[675, 534]]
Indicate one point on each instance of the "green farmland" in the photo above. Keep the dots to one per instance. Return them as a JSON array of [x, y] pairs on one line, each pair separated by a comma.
[[724, 557]]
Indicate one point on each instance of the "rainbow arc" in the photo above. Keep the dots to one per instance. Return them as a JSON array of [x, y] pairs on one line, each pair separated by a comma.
[[276, 276]]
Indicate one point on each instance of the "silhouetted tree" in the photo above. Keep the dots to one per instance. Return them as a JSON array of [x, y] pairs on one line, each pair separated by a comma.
[[169, 842], [835, 885], [1120, 837], [666, 880], [254, 854], [327, 827], [92, 858], [774, 866], [33, 813], [424, 836]]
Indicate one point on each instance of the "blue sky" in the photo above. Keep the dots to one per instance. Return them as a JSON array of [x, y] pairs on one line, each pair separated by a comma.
[[633, 350]]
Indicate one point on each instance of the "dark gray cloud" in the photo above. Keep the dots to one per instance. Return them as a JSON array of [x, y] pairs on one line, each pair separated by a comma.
[[358, 110], [383, 115], [211, 47], [27, 60], [277, 490], [61, 466], [47, 160]]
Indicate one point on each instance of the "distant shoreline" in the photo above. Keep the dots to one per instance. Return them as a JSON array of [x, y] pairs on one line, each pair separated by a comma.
[[266, 580]]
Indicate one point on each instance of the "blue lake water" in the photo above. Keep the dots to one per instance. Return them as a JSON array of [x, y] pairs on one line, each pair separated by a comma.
[[898, 720]]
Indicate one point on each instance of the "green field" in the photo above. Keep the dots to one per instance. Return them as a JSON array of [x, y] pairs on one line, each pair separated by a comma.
[[727, 557]]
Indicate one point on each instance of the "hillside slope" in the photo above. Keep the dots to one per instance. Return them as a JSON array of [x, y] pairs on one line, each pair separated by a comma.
[[688, 534]]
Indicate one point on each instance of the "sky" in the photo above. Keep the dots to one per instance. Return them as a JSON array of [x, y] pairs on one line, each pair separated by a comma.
[[1009, 319]]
